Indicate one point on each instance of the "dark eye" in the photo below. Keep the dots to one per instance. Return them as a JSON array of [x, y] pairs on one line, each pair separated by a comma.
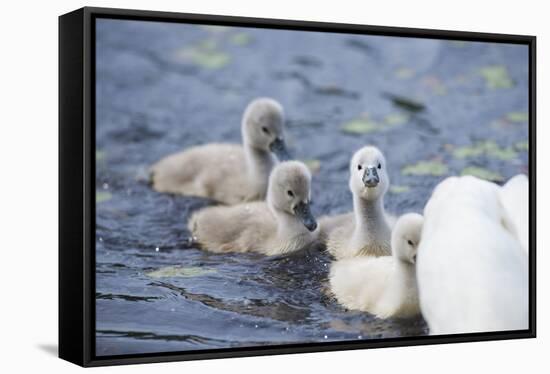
[[290, 193], [359, 167], [265, 130], [410, 242], [379, 166]]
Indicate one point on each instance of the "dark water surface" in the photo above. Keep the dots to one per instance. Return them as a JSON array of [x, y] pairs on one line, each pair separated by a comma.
[[435, 108]]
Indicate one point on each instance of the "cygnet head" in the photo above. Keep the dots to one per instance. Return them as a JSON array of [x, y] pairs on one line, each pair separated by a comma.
[[406, 237], [289, 192], [368, 173], [263, 127]]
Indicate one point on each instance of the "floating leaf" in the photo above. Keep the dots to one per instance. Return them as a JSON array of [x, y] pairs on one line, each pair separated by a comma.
[[405, 103], [482, 173], [366, 125], [496, 76], [522, 146], [99, 155], [215, 29], [240, 39], [399, 189], [361, 126], [180, 272], [439, 89], [207, 45], [404, 73], [333, 90], [504, 154], [394, 119], [211, 60], [517, 116], [313, 165], [488, 148], [458, 43], [436, 168], [102, 196], [205, 54]]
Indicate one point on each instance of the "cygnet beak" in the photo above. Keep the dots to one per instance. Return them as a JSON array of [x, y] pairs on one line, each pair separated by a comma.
[[370, 177], [303, 212], [278, 147]]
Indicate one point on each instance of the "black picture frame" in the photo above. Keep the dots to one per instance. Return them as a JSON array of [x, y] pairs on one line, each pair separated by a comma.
[[77, 193]]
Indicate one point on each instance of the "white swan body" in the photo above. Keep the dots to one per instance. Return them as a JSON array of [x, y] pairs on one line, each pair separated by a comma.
[[280, 225], [514, 196], [367, 230], [383, 286], [472, 272], [228, 173]]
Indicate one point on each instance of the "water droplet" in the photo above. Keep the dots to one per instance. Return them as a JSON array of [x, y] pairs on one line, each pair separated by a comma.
[[326, 337], [359, 336], [172, 309], [101, 239], [255, 326], [105, 186], [157, 249]]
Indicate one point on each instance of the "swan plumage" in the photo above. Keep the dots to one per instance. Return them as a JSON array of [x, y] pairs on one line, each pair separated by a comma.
[[472, 272], [514, 196]]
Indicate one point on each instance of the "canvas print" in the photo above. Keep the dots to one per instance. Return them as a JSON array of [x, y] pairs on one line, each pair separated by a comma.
[[265, 187]]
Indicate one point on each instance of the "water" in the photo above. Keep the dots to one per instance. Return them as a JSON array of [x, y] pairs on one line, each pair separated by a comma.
[[164, 87]]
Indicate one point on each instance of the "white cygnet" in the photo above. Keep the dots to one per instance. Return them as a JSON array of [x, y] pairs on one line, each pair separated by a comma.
[[367, 230], [472, 272], [228, 173], [280, 225], [383, 286]]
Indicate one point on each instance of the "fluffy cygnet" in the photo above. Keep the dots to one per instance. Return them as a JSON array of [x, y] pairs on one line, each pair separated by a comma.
[[228, 173], [472, 272], [367, 230], [280, 225], [383, 286]]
